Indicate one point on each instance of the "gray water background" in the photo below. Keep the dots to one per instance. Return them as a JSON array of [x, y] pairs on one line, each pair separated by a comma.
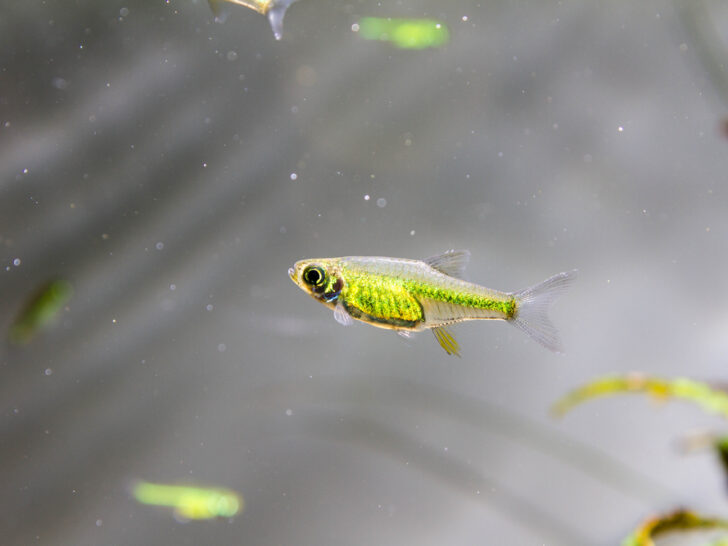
[[147, 154]]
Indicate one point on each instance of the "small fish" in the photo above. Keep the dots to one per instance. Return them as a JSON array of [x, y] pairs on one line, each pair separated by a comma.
[[413, 295], [274, 9], [404, 33], [189, 502]]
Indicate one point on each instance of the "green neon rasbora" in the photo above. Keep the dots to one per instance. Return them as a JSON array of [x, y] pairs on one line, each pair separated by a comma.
[[189, 502], [414, 295]]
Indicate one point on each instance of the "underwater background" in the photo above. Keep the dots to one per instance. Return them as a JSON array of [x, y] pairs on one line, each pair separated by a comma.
[[171, 168]]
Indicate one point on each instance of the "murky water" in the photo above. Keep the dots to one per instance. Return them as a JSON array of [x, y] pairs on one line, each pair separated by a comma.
[[171, 169]]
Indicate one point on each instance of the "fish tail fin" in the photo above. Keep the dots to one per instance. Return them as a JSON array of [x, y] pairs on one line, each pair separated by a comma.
[[533, 305]]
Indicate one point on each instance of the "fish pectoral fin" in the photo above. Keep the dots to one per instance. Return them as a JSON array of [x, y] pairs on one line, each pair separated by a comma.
[[451, 262], [446, 339], [405, 333], [342, 316]]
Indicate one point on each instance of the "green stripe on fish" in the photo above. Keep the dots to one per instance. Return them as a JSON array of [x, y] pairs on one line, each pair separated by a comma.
[[413, 295]]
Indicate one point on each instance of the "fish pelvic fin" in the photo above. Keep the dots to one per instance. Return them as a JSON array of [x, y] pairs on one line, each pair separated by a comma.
[[533, 305], [447, 340]]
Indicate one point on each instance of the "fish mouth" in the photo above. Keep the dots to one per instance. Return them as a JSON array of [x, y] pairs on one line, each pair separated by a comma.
[[292, 274]]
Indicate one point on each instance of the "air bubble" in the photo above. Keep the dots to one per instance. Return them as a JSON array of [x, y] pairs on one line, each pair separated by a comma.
[[381, 202]]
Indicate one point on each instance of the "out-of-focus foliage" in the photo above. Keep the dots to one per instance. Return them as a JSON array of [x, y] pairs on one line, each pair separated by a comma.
[[681, 520], [708, 398]]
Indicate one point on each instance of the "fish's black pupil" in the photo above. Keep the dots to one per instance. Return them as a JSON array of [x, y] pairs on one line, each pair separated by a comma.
[[313, 275]]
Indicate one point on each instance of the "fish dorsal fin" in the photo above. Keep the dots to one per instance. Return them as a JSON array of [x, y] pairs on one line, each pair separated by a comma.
[[452, 262], [446, 339]]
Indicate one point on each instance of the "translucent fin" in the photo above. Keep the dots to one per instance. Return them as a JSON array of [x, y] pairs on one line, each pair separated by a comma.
[[219, 13], [446, 339], [405, 333], [533, 306], [452, 262], [275, 18], [342, 316]]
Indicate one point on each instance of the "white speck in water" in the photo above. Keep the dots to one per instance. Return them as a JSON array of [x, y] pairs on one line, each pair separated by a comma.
[[620, 128], [289, 412], [438, 25], [124, 12], [159, 245], [683, 47], [355, 27], [25, 171], [16, 262], [48, 371], [209, 307], [221, 347], [381, 202], [59, 83], [447, 448], [232, 55], [465, 18], [412, 232], [366, 197], [99, 523], [294, 176], [500, 154], [173, 287]]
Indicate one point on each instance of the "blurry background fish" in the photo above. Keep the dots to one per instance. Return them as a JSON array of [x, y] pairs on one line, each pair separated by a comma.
[[189, 502], [40, 310], [173, 168]]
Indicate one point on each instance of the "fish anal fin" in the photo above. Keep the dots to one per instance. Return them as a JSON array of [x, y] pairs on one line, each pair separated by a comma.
[[451, 262], [342, 316], [446, 339]]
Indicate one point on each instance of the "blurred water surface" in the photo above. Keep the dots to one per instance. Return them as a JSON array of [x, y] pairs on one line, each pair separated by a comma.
[[172, 169]]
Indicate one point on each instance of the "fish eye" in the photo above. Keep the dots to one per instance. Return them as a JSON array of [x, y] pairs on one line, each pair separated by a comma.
[[313, 275]]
